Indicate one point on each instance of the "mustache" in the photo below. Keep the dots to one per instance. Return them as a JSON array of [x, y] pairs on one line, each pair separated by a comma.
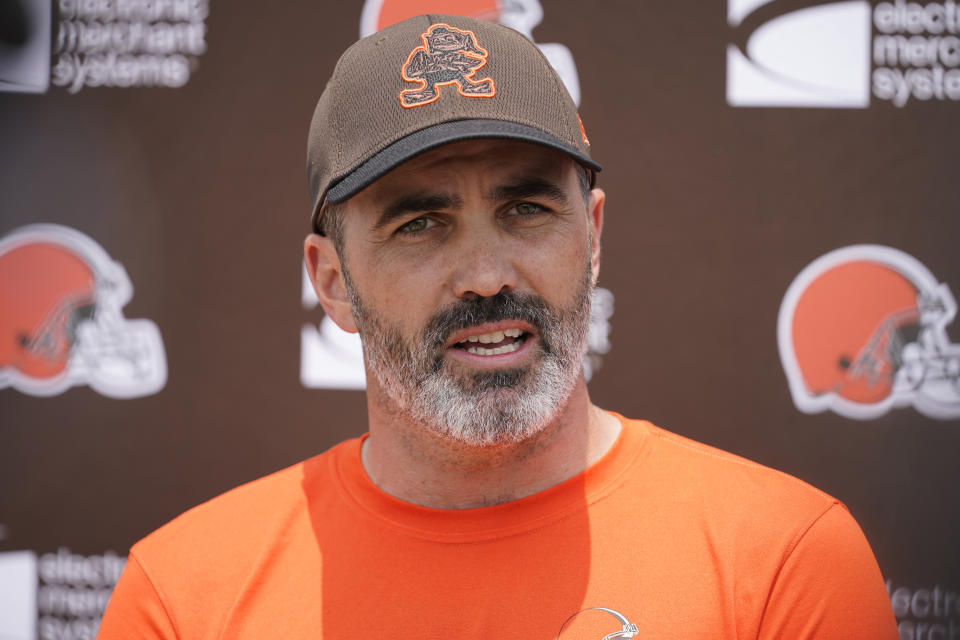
[[528, 307]]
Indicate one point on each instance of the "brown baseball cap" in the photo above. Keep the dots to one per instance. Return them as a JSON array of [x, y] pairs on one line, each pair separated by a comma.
[[429, 81]]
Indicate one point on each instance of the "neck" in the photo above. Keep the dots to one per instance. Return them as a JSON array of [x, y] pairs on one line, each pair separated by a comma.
[[417, 465]]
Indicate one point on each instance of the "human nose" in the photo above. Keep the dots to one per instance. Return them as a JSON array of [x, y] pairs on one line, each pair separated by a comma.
[[484, 266]]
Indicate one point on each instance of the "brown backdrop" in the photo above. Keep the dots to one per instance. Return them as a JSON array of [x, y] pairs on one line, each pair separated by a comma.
[[199, 192]]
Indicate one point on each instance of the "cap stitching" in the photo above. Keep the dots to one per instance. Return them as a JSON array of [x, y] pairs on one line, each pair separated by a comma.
[[561, 92], [555, 77], [338, 132], [336, 115]]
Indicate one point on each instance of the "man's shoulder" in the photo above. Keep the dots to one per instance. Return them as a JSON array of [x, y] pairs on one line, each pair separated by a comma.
[[243, 519], [189, 573], [749, 519], [695, 471], [789, 555]]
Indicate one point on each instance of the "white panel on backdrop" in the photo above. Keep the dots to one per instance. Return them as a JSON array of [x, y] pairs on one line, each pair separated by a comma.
[[813, 57], [737, 10], [18, 595], [330, 358], [25, 61]]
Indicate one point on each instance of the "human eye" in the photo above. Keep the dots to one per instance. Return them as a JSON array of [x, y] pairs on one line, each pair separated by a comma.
[[417, 225], [526, 210]]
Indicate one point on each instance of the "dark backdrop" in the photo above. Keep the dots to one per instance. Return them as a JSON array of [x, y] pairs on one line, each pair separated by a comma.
[[199, 192]]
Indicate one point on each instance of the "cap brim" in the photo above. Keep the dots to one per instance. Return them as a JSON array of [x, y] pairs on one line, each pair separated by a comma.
[[437, 135]]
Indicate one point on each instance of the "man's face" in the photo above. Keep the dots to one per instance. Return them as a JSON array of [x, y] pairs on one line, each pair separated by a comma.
[[470, 270]]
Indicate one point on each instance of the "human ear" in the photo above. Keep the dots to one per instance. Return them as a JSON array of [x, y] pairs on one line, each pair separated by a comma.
[[326, 275], [595, 213]]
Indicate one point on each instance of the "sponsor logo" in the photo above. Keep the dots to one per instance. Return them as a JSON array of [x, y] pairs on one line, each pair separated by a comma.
[[331, 358], [862, 330], [598, 336], [597, 626], [25, 46], [520, 15], [916, 52], [101, 43], [58, 596], [128, 43], [62, 323], [925, 612], [74, 591], [816, 56], [448, 56], [18, 595], [820, 54]]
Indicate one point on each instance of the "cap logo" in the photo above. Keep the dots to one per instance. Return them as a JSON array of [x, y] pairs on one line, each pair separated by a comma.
[[583, 132], [447, 56]]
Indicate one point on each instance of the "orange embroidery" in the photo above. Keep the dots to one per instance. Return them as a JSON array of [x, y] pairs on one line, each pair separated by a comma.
[[447, 56], [583, 132]]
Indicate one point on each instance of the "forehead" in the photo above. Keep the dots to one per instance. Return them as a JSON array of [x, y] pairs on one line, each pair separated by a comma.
[[470, 164]]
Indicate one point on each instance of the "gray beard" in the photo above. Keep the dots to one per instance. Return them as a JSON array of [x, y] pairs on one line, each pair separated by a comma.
[[487, 407]]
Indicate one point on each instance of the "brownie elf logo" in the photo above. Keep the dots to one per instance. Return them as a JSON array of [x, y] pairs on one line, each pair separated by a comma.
[[448, 56], [520, 15]]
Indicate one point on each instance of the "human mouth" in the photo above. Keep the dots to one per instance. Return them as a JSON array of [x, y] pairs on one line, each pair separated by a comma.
[[486, 342], [493, 343]]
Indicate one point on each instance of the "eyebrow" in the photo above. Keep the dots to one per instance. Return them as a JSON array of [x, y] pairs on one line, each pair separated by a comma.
[[416, 203], [530, 188]]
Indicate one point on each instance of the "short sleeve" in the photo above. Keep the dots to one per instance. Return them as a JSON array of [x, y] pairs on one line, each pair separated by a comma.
[[135, 609], [829, 587]]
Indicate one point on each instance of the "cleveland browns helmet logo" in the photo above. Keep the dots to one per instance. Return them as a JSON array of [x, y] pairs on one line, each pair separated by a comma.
[[62, 323], [862, 330], [595, 628], [447, 56]]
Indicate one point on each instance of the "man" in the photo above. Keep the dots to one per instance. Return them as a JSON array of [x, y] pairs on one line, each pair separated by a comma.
[[458, 231]]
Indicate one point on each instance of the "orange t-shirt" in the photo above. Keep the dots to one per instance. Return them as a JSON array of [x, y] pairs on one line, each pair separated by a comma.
[[680, 539]]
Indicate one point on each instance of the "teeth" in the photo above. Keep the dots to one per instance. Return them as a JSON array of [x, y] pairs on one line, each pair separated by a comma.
[[483, 351], [494, 336]]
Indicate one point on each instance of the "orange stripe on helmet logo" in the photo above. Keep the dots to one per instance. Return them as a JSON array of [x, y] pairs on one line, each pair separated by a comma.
[[447, 56]]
